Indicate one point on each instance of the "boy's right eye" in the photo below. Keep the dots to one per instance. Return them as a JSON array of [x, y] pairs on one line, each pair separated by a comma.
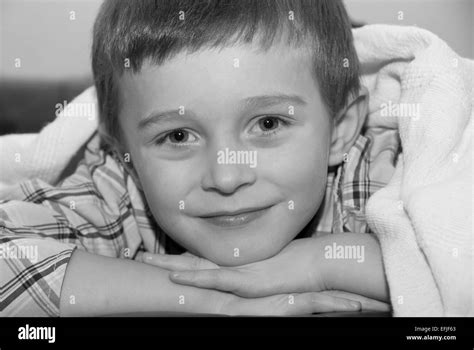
[[177, 138]]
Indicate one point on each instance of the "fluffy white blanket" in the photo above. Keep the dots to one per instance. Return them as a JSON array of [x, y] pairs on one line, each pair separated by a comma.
[[423, 218]]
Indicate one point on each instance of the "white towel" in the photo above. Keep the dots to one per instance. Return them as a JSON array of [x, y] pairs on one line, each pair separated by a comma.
[[423, 218]]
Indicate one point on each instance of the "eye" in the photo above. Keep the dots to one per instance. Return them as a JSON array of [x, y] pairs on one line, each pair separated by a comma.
[[178, 137], [269, 125]]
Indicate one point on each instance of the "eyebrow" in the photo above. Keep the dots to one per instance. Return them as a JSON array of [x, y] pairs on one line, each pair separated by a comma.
[[248, 103], [263, 101], [158, 117]]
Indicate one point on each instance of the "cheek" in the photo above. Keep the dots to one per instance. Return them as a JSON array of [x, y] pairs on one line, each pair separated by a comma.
[[311, 170], [159, 182], [300, 167], [302, 174]]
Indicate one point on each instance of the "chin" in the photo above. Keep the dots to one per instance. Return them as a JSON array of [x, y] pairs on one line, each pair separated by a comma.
[[253, 255], [229, 262]]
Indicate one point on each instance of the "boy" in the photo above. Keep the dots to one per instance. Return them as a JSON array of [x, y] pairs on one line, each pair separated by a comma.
[[219, 121]]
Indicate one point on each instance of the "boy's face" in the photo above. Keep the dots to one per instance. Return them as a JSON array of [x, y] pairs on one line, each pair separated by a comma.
[[234, 162]]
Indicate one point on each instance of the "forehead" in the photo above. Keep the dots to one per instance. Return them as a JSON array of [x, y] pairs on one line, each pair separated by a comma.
[[221, 76]]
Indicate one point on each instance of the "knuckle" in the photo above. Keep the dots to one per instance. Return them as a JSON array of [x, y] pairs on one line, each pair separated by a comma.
[[317, 298], [141, 257], [215, 278], [283, 307], [195, 262], [228, 305], [194, 277]]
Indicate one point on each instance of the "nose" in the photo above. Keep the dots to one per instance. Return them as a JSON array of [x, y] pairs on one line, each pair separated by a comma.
[[229, 170]]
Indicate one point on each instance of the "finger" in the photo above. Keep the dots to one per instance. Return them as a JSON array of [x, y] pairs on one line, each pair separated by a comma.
[[222, 279], [291, 305], [187, 254], [367, 304], [238, 281], [315, 302], [177, 262], [139, 257]]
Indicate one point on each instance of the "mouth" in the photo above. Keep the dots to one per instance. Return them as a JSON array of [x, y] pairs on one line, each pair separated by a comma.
[[235, 218]]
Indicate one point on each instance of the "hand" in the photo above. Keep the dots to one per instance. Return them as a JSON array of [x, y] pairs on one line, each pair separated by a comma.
[[293, 270], [367, 304], [292, 304], [265, 278], [285, 304]]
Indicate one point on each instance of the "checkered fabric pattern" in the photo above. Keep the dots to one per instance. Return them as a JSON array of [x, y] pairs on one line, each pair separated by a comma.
[[99, 209]]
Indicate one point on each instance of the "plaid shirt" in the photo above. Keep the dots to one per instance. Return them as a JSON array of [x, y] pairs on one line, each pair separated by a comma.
[[100, 210]]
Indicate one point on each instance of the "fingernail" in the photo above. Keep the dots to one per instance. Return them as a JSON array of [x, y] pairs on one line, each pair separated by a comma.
[[354, 305]]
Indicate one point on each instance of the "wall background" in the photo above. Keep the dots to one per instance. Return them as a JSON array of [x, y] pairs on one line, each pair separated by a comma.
[[53, 47], [50, 45], [52, 38]]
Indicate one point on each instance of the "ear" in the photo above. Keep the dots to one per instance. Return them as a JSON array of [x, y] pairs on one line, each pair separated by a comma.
[[347, 127]]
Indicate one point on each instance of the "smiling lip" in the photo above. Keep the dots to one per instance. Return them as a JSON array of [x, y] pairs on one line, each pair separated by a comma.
[[237, 218]]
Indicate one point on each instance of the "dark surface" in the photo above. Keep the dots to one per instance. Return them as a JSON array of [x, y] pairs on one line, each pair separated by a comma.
[[26, 106]]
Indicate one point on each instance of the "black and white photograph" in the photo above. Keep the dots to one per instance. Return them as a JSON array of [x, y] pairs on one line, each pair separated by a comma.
[[281, 167]]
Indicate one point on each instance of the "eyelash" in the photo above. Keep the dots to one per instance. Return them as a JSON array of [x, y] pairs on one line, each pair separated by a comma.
[[161, 140], [282, 123]]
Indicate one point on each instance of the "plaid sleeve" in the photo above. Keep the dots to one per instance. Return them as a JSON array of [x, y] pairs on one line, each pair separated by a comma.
[[32, 270], [367, 167], [41, 225]]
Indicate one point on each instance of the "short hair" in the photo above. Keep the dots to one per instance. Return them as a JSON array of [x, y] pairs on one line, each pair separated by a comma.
[[153, 30]]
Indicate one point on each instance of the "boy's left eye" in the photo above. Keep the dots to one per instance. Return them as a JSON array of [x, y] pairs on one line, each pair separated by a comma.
[[268, 125]]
